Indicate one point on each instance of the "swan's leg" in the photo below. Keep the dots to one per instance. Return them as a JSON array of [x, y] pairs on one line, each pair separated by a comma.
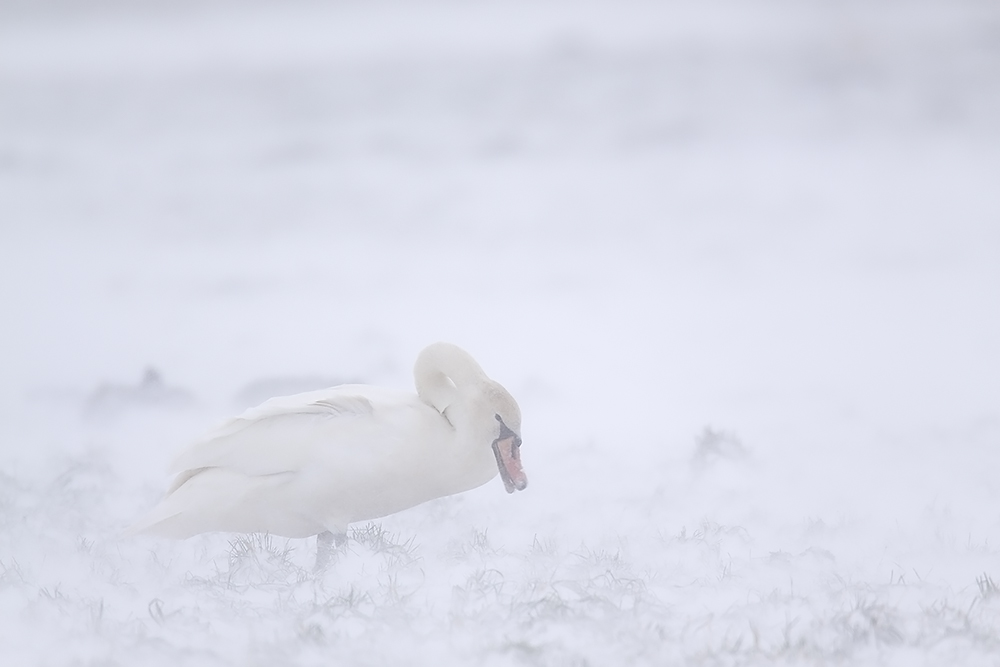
[[326, 544]]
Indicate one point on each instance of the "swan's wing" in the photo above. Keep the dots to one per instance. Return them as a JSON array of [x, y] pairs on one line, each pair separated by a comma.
[[279, 435]]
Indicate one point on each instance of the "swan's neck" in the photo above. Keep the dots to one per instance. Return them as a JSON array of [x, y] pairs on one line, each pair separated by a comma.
[[451, 381], [443, 373]]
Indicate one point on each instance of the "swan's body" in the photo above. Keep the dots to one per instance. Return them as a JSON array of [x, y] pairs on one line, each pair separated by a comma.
[[313, 463]]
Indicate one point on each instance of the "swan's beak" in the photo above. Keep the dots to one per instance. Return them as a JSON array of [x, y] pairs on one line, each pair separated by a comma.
[[508, 453]]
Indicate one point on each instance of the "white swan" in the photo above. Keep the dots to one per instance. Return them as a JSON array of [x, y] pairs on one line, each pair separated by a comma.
[[312, 463]]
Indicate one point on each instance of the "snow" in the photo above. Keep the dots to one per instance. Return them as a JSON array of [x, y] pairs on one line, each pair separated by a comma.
[[739, 262]]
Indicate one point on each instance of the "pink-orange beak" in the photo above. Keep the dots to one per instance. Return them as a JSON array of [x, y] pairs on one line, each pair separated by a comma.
[[508, 453]]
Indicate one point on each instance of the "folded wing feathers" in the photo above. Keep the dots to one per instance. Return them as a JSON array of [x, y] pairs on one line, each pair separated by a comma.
[[342, 406], [224, 447]]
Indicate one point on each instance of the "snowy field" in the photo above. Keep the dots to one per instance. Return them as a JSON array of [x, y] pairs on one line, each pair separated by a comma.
[[739, 263]]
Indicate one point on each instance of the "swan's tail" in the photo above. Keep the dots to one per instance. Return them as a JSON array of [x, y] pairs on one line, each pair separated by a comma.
[[214, 500]]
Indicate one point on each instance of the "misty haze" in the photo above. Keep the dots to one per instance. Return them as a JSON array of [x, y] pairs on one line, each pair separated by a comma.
[[737, 262]]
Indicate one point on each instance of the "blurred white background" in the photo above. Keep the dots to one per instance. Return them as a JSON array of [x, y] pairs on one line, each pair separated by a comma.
[[778, 220]]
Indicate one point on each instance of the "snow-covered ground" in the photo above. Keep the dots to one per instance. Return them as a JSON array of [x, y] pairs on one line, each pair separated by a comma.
[[739, 262]]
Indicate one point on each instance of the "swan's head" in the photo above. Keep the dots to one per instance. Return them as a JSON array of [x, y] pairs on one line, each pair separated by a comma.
[[506, 439], [451, 381]]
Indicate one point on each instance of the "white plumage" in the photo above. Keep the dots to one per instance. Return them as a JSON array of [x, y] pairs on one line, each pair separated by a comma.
[[315, 462]]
